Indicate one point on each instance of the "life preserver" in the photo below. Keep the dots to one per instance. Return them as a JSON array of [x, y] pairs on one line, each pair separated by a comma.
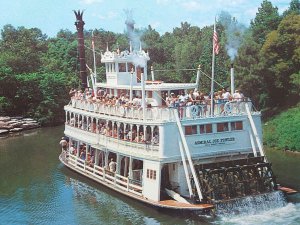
[[228, 108], [194, 110]]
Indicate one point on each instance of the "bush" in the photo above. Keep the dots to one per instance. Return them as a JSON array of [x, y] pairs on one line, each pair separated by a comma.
[[283, 131]]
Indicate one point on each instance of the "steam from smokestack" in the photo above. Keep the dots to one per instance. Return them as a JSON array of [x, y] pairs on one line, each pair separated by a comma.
[[234, 32], [134, 36], [129, 21]]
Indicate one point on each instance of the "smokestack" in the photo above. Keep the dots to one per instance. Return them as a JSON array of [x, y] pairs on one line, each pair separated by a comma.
[[80, 38], [232, 79]]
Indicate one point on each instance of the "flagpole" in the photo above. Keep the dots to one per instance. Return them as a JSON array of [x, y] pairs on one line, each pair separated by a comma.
[[212, 75]]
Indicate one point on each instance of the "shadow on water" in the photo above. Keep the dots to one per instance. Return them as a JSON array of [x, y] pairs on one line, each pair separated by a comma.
[[125, 209]]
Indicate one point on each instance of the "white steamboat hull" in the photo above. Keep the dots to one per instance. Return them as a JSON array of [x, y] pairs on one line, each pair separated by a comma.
[[131, 191]]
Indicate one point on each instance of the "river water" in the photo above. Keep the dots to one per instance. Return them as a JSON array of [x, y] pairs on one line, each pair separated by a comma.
[[36, 189]]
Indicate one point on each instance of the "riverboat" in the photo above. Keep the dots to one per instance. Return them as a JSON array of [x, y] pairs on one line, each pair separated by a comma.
[[185, 155]]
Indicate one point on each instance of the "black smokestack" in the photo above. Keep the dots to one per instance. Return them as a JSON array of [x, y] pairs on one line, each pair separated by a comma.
[[80, 38]]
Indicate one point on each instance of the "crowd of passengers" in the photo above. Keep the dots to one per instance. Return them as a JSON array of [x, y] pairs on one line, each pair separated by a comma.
[[105, 98], [194, 97], [198, 98], [128, 135], [87, 156]]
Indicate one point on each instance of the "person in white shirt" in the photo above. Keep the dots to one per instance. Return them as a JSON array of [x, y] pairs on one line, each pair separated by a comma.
[[226, 95], [112, 165], [237, 96]]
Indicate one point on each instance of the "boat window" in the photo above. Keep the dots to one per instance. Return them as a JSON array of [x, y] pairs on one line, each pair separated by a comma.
[[189, 130], [151, 174], [122, 67], [221, 127], [238, 125], [205, 128]]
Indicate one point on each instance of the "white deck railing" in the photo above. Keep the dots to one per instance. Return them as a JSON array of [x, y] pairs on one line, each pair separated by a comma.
[[137, 148], [129, 144], [103, 175], [236, 107]]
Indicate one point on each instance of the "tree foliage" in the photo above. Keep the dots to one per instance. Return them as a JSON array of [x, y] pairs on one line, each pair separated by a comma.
[[36, 72], [283, 130]]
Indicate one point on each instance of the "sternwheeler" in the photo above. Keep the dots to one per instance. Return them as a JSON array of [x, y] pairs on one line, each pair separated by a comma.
[[163, 144]]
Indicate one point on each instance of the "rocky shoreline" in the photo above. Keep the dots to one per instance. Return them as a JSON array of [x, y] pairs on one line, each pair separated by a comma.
[[16, 124]]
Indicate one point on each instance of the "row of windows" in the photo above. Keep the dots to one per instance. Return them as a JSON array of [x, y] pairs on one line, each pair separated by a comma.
[[151, 174], [111, 67], [208, 128]]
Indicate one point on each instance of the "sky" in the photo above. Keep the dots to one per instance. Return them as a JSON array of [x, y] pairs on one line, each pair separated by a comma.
[[50, 16]]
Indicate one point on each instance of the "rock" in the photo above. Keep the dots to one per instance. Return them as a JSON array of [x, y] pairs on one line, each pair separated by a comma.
[[27, 119], [4, 118], [2, 124], [3, 131], [5, 126], [27, 126], [16, 124], [16, 129], [17, 118]]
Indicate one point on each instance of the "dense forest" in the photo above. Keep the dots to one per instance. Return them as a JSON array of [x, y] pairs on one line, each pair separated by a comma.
[[37, 72]]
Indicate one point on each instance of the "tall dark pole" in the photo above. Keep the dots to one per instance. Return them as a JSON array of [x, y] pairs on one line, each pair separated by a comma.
[[79, 25]]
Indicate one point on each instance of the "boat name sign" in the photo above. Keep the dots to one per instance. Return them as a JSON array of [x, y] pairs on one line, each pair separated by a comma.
[[215, 141]]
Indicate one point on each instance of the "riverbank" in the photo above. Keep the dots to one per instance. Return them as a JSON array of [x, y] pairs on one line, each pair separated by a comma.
[[16, 124]]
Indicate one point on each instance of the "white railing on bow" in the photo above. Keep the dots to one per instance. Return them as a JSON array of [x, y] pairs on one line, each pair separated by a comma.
[[101, 174], [236, 107]]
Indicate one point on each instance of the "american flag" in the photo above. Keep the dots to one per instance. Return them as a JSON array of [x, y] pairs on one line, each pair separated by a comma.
[[216, 45]]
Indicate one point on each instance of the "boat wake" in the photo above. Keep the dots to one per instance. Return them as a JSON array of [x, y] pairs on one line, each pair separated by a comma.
[[269, 208]]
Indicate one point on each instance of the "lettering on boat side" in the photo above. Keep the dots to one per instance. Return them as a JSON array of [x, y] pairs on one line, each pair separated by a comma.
[[112, 76], [215, 141]]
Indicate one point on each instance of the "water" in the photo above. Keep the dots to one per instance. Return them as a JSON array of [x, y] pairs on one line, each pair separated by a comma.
[[36, 189]]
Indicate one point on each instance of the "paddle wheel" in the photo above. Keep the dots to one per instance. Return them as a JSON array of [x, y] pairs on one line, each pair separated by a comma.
[[234, 179]]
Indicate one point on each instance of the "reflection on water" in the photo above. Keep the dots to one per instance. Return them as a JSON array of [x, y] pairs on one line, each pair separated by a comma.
[[36, 189]]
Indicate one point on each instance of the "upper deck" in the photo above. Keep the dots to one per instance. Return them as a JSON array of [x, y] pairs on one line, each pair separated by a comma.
[[162, 113]]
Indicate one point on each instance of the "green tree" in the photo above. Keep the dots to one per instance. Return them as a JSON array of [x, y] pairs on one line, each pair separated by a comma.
[[281, 62], [23, 48], [294, 8], [267, 19], [247, 75]]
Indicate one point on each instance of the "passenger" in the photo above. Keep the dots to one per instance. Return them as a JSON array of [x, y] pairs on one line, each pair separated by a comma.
[[72, 121], [72, 92], [83, 153], [129, 135], [112, 165], [71, 149], [237, 96], [90, 160], [63, 142], [155, 139], [141, 137], [171, 100], [115, 133], [225, 95]]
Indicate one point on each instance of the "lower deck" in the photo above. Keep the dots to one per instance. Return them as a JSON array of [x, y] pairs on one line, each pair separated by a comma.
[[124, 186]]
